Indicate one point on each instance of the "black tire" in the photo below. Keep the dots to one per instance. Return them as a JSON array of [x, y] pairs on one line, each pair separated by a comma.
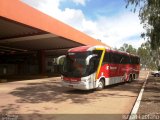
[[130, 79], [134, 77], [101, 85], [157, 75]]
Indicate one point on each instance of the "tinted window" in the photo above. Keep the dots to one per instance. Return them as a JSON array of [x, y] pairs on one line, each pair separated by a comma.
[[107, 57], [115, 58], [135, 60], [125, 59], [98, 52]]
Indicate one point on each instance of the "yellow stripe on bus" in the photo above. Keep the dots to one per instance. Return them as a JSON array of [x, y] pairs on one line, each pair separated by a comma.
[[101, 60]]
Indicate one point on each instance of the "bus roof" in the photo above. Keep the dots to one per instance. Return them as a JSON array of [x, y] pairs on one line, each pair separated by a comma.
[[86, 48], [91, 48]]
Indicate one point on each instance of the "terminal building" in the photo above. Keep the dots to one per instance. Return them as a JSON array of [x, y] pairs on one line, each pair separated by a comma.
[[30, 40]]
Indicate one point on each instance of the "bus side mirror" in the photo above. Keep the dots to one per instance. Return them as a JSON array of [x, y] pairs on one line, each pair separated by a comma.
[[60, 60], [89, 58]]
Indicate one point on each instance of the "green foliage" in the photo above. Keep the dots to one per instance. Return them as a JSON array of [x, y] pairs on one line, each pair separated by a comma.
[[128, 48], [149, 13], [158, 68], [145, 54]]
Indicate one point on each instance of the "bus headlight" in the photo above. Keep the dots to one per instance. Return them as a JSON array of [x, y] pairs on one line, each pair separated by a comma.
[[86, 79]]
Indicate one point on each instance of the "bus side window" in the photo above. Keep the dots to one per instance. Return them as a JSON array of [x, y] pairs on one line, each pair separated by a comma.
[[107, 58], [116, 58], [128, 59], [124, 61], [112, 58], [137, 60], [132, 60], [93, 65], [98, 52], [121, 59]]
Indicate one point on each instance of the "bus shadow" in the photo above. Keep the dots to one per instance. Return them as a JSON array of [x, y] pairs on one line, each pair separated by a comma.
[[52, 91], [49, 92]]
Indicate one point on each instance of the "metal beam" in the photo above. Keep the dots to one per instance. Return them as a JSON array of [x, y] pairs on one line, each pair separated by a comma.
[[12, 49], [6, 50], [35, 37]]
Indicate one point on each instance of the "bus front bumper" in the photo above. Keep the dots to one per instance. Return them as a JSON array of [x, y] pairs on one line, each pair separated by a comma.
[[76, 85]]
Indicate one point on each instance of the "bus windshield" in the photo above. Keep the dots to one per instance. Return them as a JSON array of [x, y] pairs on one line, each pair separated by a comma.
[[75, 65]]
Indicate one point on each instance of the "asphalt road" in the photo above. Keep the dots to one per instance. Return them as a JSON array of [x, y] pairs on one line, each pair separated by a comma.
[[46, 96]]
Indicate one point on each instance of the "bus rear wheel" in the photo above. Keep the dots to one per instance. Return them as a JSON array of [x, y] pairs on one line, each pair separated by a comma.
[[130, 79], [101, 84]]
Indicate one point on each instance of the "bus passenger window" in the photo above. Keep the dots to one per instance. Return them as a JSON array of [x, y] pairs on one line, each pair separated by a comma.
[[98, 52]]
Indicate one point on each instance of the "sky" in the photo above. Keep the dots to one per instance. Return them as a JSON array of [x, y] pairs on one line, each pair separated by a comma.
[[106, 20]]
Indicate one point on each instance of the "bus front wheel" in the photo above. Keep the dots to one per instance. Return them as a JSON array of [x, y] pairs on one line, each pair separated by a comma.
[[101, 84]]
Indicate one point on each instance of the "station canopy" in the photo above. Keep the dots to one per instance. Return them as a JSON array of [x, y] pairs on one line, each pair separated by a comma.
[[23, 28]]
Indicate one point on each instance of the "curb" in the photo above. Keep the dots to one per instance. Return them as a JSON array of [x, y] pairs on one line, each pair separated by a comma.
[[135, 108]]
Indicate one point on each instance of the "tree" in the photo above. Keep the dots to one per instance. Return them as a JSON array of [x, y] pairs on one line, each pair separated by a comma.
[[145, 52], [128, 48], [149, 14]]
